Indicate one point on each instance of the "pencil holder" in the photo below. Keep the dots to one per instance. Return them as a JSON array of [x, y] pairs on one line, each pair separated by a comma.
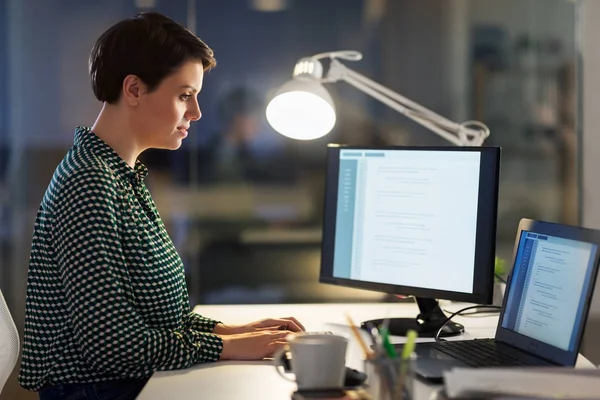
[[390, 378]]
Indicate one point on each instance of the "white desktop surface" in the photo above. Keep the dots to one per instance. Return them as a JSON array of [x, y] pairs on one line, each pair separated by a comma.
[[259, 379]]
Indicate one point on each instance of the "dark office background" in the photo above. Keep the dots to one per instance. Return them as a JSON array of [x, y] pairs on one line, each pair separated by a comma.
[[247, 220]]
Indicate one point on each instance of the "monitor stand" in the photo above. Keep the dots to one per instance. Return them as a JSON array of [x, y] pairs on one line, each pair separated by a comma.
[[427, 323]]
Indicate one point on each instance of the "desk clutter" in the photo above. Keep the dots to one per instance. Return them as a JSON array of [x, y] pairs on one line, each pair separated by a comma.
[[521, 383], [389, 375]]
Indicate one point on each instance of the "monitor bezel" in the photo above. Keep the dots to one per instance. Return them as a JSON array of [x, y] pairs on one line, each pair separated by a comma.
[[489, 178], [539, 348]]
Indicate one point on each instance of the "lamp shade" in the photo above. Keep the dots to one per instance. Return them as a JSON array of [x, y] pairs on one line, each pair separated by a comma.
[[301, 110]]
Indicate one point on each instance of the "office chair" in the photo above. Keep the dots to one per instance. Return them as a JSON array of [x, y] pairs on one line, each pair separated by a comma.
[[9, 342]]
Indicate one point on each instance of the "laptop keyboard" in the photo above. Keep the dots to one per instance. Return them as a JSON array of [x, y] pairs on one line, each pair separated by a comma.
[[487, 353]]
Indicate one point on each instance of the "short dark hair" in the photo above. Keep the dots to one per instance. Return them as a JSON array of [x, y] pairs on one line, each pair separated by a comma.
[[150, 46]]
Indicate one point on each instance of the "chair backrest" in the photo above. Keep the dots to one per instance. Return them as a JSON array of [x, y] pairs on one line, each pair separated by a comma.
[[9, 343]]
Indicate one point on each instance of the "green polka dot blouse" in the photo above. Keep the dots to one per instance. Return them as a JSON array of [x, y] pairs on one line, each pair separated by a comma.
[[106, 294]]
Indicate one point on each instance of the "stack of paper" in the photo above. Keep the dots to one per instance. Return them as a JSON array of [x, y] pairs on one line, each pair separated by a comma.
[[538, 383]]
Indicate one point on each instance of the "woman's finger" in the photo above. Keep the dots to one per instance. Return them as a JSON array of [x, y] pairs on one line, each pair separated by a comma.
[[280, 335], [278, 343], [270, 328], [292, 324], [297, 323]]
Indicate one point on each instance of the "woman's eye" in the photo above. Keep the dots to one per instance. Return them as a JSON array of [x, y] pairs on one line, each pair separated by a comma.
[[184, 97]]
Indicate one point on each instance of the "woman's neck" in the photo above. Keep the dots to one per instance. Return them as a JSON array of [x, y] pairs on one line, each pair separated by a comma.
[[112, 126]]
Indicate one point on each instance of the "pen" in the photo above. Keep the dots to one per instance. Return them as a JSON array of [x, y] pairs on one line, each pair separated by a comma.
[[371, 332], [386, 323], [388, 362], [387, 345], [407, 351], [409, 347], [376, 339]]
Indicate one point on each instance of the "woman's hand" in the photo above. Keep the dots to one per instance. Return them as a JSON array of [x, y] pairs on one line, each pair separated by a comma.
[[253, 345], [269, 324]]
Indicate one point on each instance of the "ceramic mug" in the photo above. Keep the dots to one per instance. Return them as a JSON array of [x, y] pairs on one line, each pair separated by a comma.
[[318, 361]]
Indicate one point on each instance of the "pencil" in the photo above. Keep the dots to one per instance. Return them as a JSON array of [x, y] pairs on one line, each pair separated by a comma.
[[359, 338]]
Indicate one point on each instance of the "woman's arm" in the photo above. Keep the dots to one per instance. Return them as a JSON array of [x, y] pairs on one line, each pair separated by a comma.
[[198, 322], [112, 336]]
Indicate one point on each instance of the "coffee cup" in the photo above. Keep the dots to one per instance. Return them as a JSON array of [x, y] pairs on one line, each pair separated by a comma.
[[318, 361]]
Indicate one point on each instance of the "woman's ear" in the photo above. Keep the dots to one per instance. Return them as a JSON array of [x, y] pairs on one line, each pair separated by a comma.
[[133, 88]]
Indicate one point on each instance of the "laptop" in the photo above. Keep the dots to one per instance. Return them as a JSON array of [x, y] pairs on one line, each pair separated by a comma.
[[545, 306]]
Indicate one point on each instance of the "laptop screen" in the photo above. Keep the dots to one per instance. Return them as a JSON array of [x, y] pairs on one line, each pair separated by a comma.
[[548, 289]]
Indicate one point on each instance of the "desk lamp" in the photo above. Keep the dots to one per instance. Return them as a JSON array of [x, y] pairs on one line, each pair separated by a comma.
[[303, 109]]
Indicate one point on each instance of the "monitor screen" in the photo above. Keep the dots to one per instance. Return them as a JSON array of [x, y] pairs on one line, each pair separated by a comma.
[[549, 284], [550, 289], [412, 220]]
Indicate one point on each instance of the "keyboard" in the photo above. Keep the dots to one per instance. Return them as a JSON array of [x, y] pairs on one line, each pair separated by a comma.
[[315, 333], [487, 353]]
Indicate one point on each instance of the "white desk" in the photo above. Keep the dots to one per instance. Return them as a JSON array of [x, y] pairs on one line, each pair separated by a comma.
[[259, 380]]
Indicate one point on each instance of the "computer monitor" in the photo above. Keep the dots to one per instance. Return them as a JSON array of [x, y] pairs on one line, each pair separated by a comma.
[[417, 221]]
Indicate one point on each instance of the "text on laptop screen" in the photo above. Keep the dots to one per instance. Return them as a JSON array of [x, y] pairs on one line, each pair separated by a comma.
[[408, 218], [548, 287]]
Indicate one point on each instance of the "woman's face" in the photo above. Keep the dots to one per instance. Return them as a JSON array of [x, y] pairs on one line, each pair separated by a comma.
[[164, 115]]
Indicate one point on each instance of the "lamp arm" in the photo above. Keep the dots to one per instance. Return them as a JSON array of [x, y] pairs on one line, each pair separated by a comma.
[[458, 134], [405, 111]]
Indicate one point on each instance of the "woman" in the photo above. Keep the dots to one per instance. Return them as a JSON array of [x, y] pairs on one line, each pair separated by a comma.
[[106, 298]]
